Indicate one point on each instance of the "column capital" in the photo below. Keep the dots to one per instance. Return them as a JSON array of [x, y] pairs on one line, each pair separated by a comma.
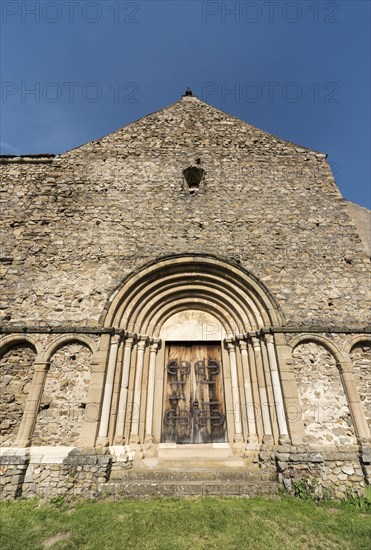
[[154, 345], [243, 345], [129, 341], [142, 343], [116, 339], [231, 340], [230, 345], [345, 367], [255, 342], [41, 366]]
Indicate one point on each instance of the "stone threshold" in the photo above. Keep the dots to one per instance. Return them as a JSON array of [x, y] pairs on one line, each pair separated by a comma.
[[197, 450]]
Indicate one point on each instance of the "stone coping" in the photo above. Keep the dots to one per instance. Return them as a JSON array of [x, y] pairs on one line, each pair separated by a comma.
[[49, 454]]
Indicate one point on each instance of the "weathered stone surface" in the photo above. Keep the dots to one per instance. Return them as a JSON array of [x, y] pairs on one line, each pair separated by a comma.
[[16, 373], [362, 220], [348, 470], [325, 410], [361, 357], [64, 398]]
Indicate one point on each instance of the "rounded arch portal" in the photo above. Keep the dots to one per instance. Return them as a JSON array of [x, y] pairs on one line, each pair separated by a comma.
[[158, 290], [174, 295]]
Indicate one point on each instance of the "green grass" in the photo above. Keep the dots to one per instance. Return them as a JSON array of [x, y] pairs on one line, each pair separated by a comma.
[[192, 524]]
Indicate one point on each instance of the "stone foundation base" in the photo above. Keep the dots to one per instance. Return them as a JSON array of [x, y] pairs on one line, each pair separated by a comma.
[[48, 472], [327, 472]]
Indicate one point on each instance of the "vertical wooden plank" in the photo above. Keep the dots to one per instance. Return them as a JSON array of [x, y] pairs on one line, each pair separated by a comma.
[[158, 405], [214, 354], [143, 401]]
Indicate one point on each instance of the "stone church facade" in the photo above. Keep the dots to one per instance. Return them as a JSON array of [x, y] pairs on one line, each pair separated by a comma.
[[188, 293]]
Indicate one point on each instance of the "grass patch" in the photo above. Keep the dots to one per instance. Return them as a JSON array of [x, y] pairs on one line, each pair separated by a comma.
[[184, 524]]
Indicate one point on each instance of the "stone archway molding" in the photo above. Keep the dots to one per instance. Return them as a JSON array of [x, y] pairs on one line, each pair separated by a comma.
[[237, 294], [349, 344], [64, 340], [13, 340], [332, 348]]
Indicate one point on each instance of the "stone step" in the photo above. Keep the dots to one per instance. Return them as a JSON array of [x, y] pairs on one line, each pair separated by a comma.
[[148, 489], [196, 463], [212, 475]]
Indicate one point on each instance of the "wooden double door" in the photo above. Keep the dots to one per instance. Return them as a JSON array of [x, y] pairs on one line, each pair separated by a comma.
[[194, 405]]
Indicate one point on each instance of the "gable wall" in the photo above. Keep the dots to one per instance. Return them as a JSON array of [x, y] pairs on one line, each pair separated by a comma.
[[74, 228]]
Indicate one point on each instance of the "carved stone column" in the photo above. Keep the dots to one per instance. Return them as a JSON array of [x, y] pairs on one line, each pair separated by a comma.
[[29, 417], [250, 413], [277, 392], [151, 389], [255, 391], [123, 398], [108, 389], [262, 390], [134, 434], [235, 394]]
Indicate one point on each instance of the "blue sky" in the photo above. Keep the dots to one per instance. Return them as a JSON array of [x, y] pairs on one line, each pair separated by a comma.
[[73, 71]]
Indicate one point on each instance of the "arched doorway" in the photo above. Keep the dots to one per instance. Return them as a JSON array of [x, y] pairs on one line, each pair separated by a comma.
[[187, 362]]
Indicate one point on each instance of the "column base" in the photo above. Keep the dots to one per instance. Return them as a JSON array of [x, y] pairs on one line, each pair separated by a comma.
[[22, 443], [238, 444], [119, 440], [251, 443], [102, 441]]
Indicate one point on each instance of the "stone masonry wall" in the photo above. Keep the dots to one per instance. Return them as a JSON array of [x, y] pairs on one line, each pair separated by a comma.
[[76, 225], [16, 373], [324, 407], [361, 357], [81, 473], [64, 398], [328, 472]]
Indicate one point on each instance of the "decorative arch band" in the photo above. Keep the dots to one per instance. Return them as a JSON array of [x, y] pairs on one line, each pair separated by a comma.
[[235, 297]]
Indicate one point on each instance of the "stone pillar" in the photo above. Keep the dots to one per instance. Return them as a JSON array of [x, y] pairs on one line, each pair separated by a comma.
[[354, 401], [151, 389], [289, 389], [277, 392], [99, 362], [134, 434], [262, 390], [250, 413], [235, 395], [123, 398], [108, 389], [255, 391], [29, 417]]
